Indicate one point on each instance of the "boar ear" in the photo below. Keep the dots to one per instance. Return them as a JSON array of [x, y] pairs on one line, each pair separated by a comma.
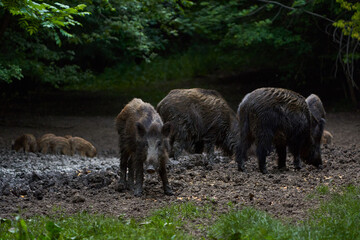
[[140, 129], [166, 129]]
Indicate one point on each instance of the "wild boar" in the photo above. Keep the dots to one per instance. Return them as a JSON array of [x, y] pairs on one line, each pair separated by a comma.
[[81, 146], [280, 117], [143, 144], [49, 143], [201, 120], [26, 142]]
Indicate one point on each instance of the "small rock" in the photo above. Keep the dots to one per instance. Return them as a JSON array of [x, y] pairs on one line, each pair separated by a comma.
[[78, 198]]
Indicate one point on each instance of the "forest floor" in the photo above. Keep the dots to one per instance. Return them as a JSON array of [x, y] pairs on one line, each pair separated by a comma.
[[36, 184]]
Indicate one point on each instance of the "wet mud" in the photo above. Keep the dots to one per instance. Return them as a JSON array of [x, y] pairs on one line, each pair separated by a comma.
[[37, 184]]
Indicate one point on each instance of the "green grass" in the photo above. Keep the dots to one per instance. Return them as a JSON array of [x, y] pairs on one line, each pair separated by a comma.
[[165, 223], [337, 218]]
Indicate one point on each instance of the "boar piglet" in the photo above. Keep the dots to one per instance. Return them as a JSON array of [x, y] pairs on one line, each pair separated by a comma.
[[201, 120], [26, 142], [279, 117], [51, 144], [81, 146], [143, 144]]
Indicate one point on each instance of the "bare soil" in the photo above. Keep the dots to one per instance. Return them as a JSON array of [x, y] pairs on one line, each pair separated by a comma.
[[37, 184]]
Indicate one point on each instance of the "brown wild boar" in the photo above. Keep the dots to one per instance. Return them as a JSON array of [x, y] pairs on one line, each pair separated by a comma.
[[26, 142], [81, 146], [201, 120], [143, 144], [280, 117], [54, 145]]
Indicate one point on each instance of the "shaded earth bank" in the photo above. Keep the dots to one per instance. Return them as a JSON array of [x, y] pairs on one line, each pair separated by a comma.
[[36, 184]]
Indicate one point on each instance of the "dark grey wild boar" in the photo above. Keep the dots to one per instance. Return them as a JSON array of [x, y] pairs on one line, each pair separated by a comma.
[[201, 120], [280, 117], [143, 144]]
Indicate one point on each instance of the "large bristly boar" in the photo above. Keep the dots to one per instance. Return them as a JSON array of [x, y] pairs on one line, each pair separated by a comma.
[[81, 146], [26, 142], [49, 143], [144, 145], [201, 120], [279, 117]]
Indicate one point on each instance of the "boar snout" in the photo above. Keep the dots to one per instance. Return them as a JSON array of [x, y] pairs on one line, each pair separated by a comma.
[[150, 169]]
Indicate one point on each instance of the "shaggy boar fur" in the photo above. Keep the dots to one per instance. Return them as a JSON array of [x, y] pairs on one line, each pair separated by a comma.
[[143, 144], [280, 117], [201, 120]]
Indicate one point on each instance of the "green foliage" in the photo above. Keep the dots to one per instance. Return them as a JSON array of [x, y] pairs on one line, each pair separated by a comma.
[[7, 73], [350, 26], [152, 80], [33, 15], [120, 35]]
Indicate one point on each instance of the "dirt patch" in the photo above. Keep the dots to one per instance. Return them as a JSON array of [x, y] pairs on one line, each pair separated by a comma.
[[33, 184]]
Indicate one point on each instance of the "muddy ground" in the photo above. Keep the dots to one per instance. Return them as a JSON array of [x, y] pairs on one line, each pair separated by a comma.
[[33, 183]]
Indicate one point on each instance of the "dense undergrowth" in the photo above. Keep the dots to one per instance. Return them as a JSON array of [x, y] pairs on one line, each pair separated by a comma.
[[337, 217]]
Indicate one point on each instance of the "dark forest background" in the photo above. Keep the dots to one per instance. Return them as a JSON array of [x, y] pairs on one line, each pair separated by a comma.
[[145, 48]]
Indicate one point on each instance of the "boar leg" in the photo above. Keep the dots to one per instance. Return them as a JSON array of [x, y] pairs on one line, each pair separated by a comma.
[[132, 168], [124, 158], [261, 155], [241, 155], [262, 150], [164, 179], [199, 147], [295, 151], [176, 150], [26, 147], [139, 175], [281, 151], [209, 148]]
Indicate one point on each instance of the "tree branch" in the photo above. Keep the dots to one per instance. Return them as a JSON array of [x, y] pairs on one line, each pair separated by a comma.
[[291, 8]]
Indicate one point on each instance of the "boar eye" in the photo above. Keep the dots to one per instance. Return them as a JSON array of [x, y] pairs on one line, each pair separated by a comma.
[[146, 144], [158, 143]]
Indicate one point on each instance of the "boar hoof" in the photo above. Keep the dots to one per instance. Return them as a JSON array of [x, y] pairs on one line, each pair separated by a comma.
[[264, 171], [241, 169], [283, 168], [297, 167], [168, 191], [138, 193], [120, 187]]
